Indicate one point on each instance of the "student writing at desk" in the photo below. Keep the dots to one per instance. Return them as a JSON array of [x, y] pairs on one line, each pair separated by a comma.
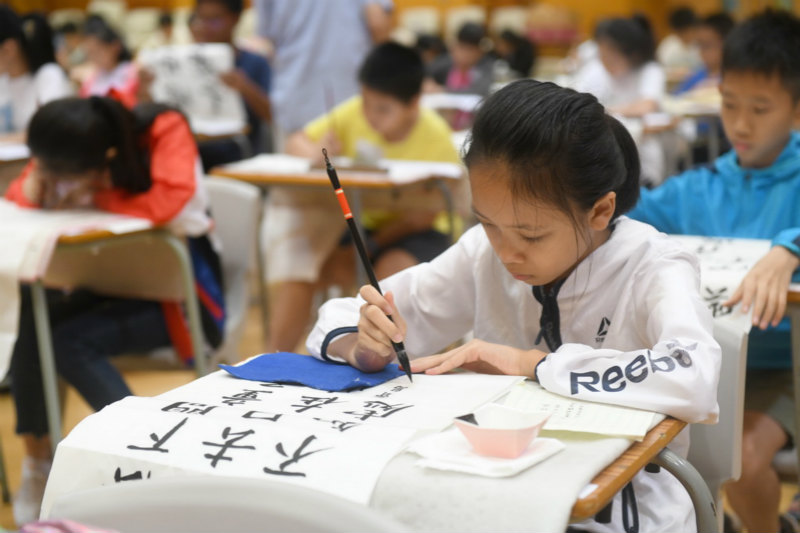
[[96, 153], [752, 192], [555, 284], [302, 234]]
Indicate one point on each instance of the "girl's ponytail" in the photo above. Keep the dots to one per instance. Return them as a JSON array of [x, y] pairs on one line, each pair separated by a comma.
[[128, 169], [628, 191]]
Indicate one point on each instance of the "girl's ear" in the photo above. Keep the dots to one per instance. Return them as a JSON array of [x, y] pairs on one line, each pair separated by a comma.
[[796, 114], [603, 211]]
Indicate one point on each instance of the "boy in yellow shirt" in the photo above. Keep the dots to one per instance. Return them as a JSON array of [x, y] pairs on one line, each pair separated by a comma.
[[304, 231]]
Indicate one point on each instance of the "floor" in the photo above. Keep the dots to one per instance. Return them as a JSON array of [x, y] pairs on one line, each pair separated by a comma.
[[145, 383]]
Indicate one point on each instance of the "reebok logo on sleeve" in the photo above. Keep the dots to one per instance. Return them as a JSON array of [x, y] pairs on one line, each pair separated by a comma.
[[643, 365]]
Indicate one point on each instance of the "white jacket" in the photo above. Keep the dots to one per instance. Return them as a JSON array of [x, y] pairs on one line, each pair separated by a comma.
[[635, 332]]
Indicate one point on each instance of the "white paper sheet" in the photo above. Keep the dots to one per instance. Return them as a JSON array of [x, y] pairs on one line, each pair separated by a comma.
[[188, 77], [567, 414], [272, 163], [354, 434], [450, 450], [136, 438], [429, 403], [14, 151], [462, 102], [29, 237], [723, 265]]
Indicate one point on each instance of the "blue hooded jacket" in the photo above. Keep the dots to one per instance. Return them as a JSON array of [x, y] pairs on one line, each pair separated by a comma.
[[725, 200]]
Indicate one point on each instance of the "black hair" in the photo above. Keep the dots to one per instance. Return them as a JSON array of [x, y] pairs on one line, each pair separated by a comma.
[[234, 6], [433, 43], [74, 135], [471, 33], [768, 44], [523, 54], [33, 34], [559, 145], [101, 30], [632, 37], [721, 23], [68, 28], [165, 19], [393, 69], [682, 18]]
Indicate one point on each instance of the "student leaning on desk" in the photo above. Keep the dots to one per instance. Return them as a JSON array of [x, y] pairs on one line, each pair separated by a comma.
[[555, 285], [96, 153], [752, 192]]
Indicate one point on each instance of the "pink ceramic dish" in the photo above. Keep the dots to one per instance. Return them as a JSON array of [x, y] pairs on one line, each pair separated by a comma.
[[500, 431]]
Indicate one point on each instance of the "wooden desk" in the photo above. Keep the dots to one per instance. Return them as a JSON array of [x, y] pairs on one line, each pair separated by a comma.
[[620, 472], [124, 279]]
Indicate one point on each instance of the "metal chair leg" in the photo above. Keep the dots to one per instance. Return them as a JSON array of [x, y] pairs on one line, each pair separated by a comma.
[[704, 504], [6, 494]]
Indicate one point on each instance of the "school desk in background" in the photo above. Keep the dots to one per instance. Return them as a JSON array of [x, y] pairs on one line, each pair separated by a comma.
[[107, 253], [431, 184]]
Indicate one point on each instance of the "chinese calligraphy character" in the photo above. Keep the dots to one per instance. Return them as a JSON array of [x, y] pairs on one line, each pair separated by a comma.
[[247, 395], [256, 415], [130, 477], [186, 407], [232, 438], [158, 442], [314, 402], [375, 408], [297, 455], [339, 425], [714, 299]]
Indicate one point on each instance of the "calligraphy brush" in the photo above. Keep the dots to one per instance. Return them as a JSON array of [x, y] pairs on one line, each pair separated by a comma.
[[399, 349]]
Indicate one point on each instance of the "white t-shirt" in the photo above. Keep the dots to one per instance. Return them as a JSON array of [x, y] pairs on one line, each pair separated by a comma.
[[26, 93], [646, 83]]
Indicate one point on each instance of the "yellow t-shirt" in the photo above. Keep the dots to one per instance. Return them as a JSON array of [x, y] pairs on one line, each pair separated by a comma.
[[429, 140]]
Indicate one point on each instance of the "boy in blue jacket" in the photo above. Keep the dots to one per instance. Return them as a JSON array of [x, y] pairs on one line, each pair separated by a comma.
[[753, 191]]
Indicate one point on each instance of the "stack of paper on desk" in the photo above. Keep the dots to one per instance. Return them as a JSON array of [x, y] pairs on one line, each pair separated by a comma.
[[272, 164], [14, 151], [568, 414]]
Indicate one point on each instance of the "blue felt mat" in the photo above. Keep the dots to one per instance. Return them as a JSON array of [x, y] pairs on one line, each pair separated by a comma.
[[285, 367]]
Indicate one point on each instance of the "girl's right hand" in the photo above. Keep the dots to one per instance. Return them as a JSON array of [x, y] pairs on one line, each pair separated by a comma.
[[33, 187], [373, 348]]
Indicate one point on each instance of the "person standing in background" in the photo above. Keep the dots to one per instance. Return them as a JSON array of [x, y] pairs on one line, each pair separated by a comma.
[[319, 47]]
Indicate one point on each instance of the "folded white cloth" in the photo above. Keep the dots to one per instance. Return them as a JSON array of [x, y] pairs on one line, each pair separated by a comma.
[[450, 450]]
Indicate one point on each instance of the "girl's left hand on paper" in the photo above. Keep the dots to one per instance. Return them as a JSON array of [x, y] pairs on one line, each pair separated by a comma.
[[764, 288], [484, 357]]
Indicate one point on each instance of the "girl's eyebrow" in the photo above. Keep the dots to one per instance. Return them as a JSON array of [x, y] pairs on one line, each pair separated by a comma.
[[515, 226]]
